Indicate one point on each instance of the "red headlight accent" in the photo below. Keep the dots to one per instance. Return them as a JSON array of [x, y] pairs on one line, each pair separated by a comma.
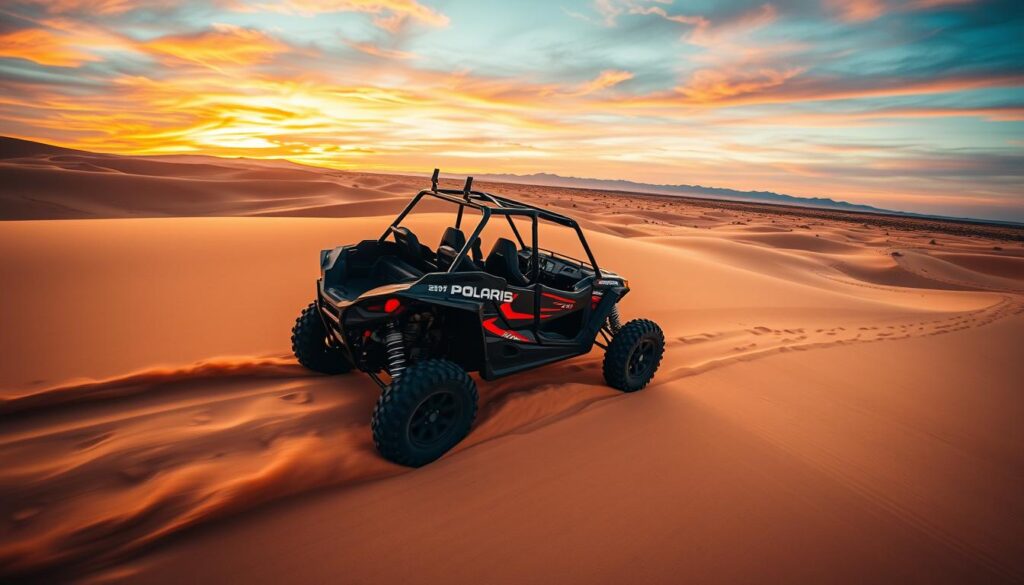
[[392, 305]]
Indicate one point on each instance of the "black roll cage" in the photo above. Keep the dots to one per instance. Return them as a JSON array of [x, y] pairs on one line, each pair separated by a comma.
[[489, 204]]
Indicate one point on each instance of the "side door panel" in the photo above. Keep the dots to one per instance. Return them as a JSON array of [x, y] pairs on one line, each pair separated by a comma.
[[509, 338], [513, 319], [563, 313]]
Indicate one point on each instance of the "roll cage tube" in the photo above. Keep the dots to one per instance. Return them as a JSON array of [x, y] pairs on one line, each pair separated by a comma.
[[488, 204]]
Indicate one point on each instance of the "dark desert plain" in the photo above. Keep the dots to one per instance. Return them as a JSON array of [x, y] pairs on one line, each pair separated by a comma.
[[840, 400]]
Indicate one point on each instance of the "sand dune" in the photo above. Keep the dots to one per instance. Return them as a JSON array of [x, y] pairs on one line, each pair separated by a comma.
[[837, 403], [43, 182], [719, 477]]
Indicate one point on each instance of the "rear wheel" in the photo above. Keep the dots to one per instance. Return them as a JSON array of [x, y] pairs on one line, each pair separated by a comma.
[[423, 414], [309, 344], [634, 355]]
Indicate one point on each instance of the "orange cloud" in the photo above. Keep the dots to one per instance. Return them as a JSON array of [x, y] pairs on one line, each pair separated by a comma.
[[371, 49], [608, 10], [388, 14], [699, 22], [857, 10], [606, 79], [865, 10], [715, 86], [704, 32], [105, 7], [764, 86], [925, 4], [874, 117], [311, 120], [1009, 114], [223, 45], [824, 90], [44, 47], [736, 28]]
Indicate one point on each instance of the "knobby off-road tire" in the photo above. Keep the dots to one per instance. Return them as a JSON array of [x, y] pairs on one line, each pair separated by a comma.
[[634, 355], [425, 413], [309, 344]]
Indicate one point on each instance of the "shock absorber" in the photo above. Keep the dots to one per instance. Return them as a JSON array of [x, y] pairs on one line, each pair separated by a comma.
[[395, 351], [614, 321]]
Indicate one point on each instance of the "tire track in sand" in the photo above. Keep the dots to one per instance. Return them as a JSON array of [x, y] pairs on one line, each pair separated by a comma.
[[147, 455]]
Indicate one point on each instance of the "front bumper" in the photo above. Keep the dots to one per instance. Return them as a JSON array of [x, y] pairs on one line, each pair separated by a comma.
[[330, 312]]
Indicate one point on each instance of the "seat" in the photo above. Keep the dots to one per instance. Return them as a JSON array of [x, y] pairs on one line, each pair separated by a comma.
[[451, 243], [446, 256], [411, 250], [453, 238], [503, 261]]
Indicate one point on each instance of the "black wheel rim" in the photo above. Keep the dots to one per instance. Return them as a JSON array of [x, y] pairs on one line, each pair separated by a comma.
[[433, 420], [642, 360]]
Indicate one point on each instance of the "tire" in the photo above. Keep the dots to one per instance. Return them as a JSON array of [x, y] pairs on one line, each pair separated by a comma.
[[405, 425], [634, 355], [309, 344]]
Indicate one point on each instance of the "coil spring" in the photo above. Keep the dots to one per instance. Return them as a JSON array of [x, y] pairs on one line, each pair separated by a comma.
[[395, 352], [614, 321]]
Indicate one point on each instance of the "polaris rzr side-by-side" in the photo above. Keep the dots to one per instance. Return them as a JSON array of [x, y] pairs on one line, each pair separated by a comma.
[[422, 318]]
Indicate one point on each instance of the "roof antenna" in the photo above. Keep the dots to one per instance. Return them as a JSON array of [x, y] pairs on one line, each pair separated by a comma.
[[469, 186], [433, 180]]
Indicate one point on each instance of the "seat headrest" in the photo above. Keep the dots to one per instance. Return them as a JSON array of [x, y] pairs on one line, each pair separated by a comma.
[[409, 243], [504, 247], [503, 261], [405, 233], [454, 238]]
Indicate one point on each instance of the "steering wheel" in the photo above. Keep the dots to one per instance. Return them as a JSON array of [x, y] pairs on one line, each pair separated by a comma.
[[531, 262]]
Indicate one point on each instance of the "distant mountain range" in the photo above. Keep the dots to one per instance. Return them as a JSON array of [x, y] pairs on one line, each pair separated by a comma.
[[551, 180], [16, 148], [700, 191]]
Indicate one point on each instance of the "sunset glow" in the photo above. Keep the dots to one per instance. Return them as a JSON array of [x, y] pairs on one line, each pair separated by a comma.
[[904, 104]]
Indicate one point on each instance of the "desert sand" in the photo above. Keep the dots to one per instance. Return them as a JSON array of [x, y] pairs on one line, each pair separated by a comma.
[[839, 402]]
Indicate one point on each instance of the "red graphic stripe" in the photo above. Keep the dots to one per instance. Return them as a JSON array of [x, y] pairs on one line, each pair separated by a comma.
[[510, 313], [558, 298], [490, 326]]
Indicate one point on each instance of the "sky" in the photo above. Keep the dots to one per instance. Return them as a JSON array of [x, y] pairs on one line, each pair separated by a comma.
[[913, 105]]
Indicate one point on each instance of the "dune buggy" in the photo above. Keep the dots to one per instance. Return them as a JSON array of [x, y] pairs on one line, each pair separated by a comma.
[[422, 318]]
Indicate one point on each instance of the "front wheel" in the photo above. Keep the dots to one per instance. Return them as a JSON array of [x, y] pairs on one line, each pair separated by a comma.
[[424, 413], [634, 355], [309, 344]]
